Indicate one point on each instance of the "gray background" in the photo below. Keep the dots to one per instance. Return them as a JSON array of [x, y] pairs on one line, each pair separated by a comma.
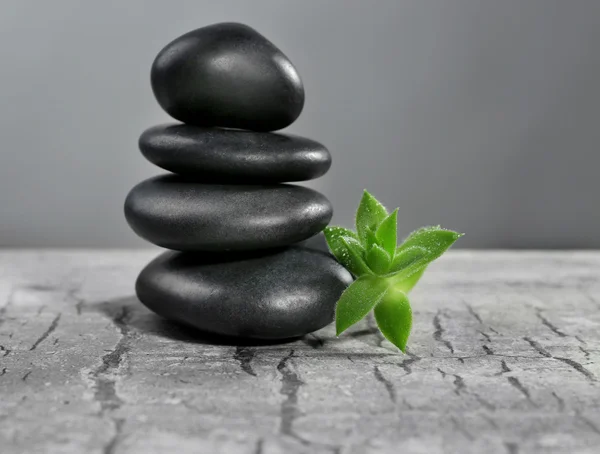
[[479, 115]]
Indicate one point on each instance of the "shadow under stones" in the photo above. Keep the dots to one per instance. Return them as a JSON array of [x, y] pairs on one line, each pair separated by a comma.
[[130, 312]]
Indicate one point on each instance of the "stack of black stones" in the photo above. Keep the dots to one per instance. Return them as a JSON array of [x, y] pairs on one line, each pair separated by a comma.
[[247, 259]]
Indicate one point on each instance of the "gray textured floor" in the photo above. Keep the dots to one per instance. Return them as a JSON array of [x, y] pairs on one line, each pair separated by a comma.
[[504, 358]]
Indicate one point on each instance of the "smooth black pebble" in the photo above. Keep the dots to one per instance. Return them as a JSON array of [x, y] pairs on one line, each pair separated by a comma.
[[273, 294], [179, 214], [233, 156], [227, 75]]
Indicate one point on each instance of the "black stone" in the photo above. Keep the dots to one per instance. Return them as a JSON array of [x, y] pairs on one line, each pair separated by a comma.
[[274, 294], [227, 75], [179, 214], [233, 156]]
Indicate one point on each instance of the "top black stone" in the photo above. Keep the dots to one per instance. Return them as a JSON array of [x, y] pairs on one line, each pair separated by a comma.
[[227, 75]]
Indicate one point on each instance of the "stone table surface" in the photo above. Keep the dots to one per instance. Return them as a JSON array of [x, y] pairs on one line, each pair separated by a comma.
[[504, 358]]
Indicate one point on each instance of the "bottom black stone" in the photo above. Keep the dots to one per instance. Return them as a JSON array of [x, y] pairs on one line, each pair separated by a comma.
[[274, 294]]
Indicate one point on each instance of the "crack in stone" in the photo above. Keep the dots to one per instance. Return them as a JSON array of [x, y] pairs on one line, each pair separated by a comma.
[[40, 310], [591, 298], [537, 347], [406, 363], [245, 355], [79, 302], [5, 350], [487, 350], [549, 325], [40, 288], [26, 376], [484, 334], [290, 384], [511, 448], [574, 364], [585, 352], [3, 372], [192, 407], [8, 302], [438, 335], [589, 423], [578, 367], [113, 443], [474, 314], [459, 384], [79, 306], [490, 406], [497, 355], [259, 446], [514, 381], [490, 421], [504, 368], [104, 376], [560, 400], [388, 385], [460, 428], [46, 333]]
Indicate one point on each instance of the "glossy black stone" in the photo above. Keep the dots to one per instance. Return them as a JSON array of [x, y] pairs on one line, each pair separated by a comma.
[[233, 156], [227, 75], [274, 294], [179, 214]]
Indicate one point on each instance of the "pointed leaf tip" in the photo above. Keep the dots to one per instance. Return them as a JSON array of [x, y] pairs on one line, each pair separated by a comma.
[[393, 315], [387, 233], [378, 259], [347, 249], [369, 215], [419, 249]]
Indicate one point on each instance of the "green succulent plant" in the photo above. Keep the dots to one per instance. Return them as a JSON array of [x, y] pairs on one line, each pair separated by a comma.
[[385, 272]]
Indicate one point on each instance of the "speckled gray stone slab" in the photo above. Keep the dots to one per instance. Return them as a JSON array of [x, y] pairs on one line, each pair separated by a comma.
[[504, 359]]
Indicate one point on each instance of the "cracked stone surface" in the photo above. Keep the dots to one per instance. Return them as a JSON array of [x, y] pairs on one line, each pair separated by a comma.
[[504, 358]]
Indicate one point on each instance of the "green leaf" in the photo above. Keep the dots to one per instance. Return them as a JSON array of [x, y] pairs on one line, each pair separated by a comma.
[[434, 240], [387, 233], [358, 300], [333, 236], [333, 232], [370, 239], [394, 317], [378, 259], [407, 284], [385, 273], [369, 215], [346, 249], [354, 258], [406, 257]]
